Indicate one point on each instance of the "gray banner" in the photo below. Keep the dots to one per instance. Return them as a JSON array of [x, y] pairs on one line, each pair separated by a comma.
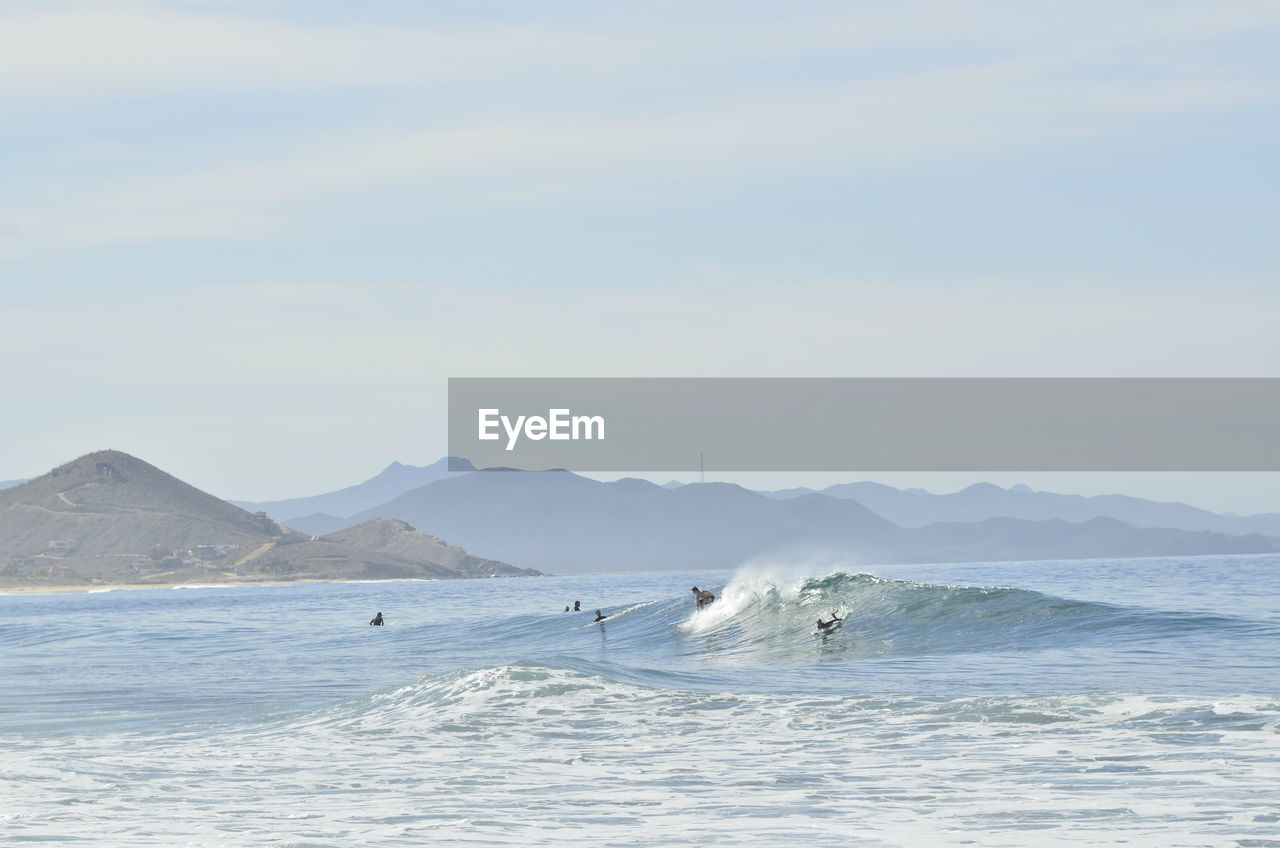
[[838, 424]]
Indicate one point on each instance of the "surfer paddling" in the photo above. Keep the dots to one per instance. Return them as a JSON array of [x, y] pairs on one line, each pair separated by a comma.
[[600, 616], [827, 625], [702, 597], [377, 621]]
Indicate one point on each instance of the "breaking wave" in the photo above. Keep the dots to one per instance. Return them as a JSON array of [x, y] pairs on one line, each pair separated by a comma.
[[767, 617]]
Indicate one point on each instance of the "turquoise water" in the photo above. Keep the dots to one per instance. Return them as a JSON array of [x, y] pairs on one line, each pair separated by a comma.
[[994, 704]]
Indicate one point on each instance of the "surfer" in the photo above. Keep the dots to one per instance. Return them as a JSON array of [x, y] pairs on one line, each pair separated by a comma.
[[825, 625], [377, 620], [600, 616], [577, 606], [703, 597]]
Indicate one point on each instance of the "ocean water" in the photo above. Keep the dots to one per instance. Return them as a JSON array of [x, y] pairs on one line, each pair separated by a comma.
[[1046, 703]]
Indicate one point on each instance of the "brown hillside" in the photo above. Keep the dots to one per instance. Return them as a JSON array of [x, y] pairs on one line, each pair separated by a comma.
[[110, 503], [109, 517], [399, 540]]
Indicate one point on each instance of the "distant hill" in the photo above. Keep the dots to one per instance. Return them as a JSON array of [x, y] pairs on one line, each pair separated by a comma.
[[9, 484], [584, 525], [392, 481], [999, 539], [109, 500], [398, 539], [109, 517], [559, 521], [319, 523], [911, 507], [381, 549], [981, 501]]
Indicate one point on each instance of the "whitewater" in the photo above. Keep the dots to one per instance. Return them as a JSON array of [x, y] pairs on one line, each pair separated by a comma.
[[994, 704]]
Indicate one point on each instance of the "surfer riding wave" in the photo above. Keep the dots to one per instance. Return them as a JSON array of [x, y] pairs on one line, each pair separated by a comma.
[[703, 597]]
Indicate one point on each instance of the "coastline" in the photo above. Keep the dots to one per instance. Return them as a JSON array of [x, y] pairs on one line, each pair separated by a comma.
[[227, 584]]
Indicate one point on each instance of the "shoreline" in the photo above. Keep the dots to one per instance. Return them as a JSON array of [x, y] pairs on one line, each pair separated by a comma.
[[120, 587], [103, 588]]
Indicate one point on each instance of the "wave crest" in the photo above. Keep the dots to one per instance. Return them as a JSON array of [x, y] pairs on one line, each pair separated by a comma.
[[885, 616]]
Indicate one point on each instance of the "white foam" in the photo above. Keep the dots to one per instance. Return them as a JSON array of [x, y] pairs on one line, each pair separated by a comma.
[[215, 586], [516, 755], [757, 581]]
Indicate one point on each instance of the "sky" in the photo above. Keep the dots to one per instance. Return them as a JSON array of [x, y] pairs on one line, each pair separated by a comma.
[[249, 242]]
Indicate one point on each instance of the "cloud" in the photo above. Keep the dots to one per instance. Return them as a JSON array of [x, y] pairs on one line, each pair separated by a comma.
[[132, 50], [127, 51], [527, 159], [76, 50], [582, 107]]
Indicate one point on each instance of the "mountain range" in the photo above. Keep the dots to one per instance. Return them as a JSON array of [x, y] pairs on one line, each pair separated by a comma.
[[558, 521], [916, 507], [109, 517], [904, 507], [561, 522], [392, 481]]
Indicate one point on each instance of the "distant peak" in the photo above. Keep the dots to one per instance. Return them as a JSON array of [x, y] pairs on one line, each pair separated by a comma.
[[448, 463], [393, 523], [108, 455], [633, 483], [106, 463]]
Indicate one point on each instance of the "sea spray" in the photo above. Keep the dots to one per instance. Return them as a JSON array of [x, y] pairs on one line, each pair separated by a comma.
[[763, 610], [760, 583]]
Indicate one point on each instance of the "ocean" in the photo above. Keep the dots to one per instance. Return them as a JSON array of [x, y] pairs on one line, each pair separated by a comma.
[[991, 704]]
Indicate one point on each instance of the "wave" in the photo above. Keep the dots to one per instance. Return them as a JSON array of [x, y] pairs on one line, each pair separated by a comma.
[[527, 754], [586, 705], [763, 615], [885, 616]]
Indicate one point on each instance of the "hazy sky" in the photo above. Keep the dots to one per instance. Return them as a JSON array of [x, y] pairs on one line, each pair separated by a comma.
[[249, 241]]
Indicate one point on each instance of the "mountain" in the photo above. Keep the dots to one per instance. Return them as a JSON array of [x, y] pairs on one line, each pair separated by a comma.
[[561, 522], [393, 480], [783, 494], [108, 500], [326, 513], [318, 523], [9, 484], [398, 539], [109, 517], [1000, 539], [570, 523], [380, 549], [917, 508]]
